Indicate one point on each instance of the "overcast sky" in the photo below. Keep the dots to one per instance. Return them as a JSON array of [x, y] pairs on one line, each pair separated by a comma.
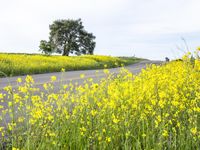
[[145, 28]]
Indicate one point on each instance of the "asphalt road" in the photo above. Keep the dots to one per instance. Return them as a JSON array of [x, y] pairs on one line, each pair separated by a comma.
[[72, 76]]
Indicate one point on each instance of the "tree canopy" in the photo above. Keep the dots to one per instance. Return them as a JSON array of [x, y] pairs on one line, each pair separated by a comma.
[[68, 36]]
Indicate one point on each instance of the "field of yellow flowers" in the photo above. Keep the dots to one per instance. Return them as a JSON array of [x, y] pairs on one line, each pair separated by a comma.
[[157, 109], [23, 64]]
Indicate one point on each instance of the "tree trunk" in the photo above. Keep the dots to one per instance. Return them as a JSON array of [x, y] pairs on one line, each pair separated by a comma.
[[66, 51]]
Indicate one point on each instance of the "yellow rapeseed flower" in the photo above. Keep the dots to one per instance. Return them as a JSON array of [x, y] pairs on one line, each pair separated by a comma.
[[108, 139], [29, 79], [19, 80], [165, 133], [63, 70], [193, 130], [1, 96], [53, 78], [82, 76]]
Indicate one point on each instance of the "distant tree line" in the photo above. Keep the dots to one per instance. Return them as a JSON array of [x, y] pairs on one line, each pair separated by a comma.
[[68, 36]]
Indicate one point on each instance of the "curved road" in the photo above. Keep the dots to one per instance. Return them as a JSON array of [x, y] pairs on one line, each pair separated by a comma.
[[73, 76]]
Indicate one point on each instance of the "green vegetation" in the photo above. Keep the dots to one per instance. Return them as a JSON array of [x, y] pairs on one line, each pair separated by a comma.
[[68, 36], [158, 109], [22, 64]]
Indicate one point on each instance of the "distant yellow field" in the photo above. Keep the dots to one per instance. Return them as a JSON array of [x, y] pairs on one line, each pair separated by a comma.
[[20, 64]]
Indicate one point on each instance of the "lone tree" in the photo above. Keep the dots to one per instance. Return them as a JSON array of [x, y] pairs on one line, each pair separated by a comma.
[[68, 36]]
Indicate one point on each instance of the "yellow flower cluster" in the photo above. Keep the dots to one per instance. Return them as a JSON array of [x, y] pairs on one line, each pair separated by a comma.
[[157, 109]]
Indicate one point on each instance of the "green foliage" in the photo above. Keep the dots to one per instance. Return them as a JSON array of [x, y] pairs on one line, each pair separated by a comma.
[[68, 36], [45, 47]]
